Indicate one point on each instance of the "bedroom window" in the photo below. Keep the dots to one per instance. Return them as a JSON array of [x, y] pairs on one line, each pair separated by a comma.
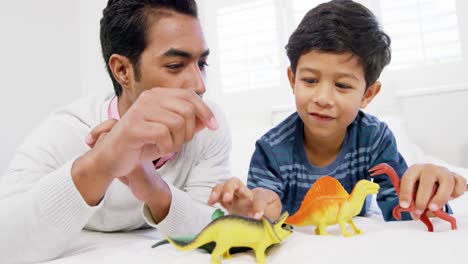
[[422, 31], [248, 41], [251, 36]]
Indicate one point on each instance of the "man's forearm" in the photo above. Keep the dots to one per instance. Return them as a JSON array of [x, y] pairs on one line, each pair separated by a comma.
[[90, 182], [160, 201]]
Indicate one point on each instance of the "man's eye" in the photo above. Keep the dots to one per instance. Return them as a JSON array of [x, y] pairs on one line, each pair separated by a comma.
[[202, 65], [174, 66], [343, 86]]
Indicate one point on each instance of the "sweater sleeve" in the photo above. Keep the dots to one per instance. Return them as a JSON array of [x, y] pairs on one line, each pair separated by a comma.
[[41, 208], [264, 171], [189, 212]]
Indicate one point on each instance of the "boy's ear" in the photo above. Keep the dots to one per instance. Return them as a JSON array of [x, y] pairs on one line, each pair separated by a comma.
[[122, 70], [291, 78], [370, 93]]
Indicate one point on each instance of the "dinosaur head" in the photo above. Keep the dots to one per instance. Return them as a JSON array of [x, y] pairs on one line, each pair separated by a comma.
[[365, 187], [281, 229]]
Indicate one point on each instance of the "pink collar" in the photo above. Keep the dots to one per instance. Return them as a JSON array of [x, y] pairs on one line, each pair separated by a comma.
[[113, 113]]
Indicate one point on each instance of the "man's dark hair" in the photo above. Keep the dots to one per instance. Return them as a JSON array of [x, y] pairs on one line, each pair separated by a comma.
[[125, 25], [342, 26]]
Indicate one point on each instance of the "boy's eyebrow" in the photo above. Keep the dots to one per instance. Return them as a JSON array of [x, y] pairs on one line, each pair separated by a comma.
[[349, 75], [182, 53], [339, 74]]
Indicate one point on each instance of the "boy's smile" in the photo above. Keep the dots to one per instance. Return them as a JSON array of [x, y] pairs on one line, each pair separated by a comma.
[[329, 89]]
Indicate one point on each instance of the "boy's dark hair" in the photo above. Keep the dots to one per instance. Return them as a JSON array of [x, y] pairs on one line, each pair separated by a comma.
[[125, 25], [342, 26]]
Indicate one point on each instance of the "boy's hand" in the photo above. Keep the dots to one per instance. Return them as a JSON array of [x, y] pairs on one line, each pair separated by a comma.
[[240, 200], [448, 185]]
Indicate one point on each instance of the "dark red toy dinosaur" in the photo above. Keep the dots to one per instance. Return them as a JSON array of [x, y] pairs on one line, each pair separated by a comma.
[[384, 168]]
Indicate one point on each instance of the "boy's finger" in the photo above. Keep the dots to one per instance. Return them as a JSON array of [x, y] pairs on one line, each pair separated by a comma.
[[444, 191], [460, 186], [215, 194], [260, 204], [407, 185], [231, 187], [244, 192], [427, 181]]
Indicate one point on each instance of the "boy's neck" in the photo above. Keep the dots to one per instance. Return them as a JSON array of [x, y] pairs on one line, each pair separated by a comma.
[[322, 151]]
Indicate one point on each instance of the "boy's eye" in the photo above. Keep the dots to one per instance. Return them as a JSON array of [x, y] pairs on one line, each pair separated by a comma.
[[310, 80], [343, 86]]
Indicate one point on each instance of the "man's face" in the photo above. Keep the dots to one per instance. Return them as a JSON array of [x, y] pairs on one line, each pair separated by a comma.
[[329, 89], [175, 56]]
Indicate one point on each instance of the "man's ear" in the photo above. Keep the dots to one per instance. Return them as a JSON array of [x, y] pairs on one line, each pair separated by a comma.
[[370, 93], [122, 70], [291, 78]]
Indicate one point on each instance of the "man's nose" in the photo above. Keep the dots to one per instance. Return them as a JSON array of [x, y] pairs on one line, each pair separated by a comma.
[[198, 81]]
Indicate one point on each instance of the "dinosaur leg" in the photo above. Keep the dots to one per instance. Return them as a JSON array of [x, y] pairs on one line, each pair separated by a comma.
[[425, 219], [218, 251], [321, 230], [260, 254], [444, 216], [343, 229], [353, 226], [227, 255], [398, 210]]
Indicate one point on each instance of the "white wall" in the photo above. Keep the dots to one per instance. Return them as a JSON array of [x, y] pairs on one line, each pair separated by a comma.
[[39, 48], [93, 74]]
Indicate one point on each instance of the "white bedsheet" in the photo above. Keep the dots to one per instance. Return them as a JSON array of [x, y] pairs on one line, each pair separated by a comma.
[[382, 242]]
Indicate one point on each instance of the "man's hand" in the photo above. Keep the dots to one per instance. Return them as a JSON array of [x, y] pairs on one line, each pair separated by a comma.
[[450, 186], [144, 182], [238, 199], [159, 122]]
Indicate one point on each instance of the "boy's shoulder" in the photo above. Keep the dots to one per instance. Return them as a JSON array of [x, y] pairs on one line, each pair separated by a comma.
[[283, 132], [368, 126]]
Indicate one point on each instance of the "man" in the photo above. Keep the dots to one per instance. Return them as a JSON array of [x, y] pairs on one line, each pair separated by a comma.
[[155, 134]]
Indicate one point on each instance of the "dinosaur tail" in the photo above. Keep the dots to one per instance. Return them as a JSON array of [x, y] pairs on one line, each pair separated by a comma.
[[202, 239], [297, 218]]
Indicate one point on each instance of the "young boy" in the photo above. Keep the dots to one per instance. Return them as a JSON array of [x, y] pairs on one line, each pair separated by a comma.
[[337, 54]]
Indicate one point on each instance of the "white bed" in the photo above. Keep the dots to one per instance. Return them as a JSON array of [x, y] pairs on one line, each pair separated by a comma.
[[382, 242]]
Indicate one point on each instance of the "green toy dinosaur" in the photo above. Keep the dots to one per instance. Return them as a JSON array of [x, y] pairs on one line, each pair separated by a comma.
[[230, 234]]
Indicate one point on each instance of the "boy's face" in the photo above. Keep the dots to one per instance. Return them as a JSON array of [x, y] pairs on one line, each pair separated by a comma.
[[329, 89], [175, 57]]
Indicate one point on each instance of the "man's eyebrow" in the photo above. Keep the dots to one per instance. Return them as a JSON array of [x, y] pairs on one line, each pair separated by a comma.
[[205, 53], [182, 53]]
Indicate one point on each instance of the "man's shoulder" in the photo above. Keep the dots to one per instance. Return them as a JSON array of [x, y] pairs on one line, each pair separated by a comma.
[[284, 132], [89, 109]]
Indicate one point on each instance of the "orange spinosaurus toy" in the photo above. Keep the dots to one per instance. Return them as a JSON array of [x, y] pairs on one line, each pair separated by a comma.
[[328, 203]]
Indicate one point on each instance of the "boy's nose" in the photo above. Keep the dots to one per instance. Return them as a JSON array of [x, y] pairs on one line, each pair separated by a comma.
[[324, 96]]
